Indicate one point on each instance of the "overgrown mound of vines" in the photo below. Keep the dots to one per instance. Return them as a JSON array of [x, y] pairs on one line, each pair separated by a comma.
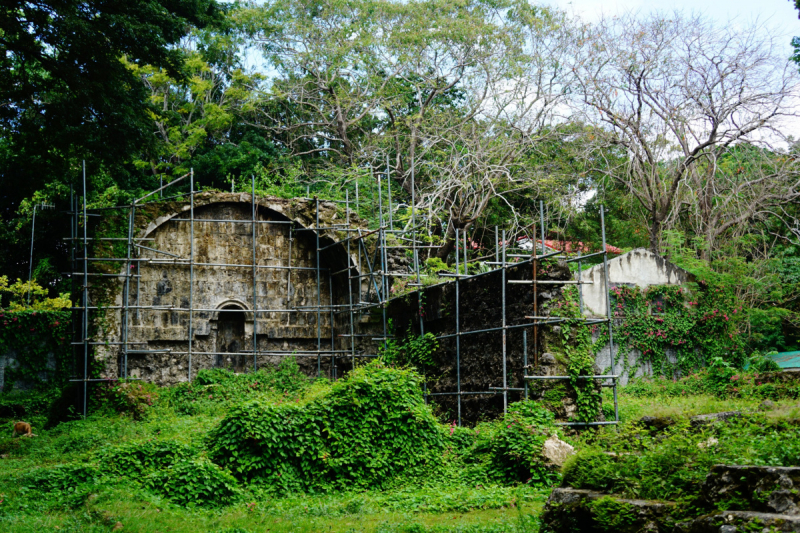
[[366, 429], [507, 450]]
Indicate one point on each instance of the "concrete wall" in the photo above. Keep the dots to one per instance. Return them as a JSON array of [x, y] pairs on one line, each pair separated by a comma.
[[639, 267]]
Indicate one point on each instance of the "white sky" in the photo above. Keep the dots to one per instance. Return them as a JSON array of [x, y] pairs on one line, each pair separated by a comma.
[[779, 15]]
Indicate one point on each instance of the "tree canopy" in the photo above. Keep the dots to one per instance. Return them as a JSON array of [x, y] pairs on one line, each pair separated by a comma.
[[476, 110]]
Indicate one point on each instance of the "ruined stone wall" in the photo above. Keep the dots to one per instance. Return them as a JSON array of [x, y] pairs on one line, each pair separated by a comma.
[[481, 359], [637, 268], [222, 299]]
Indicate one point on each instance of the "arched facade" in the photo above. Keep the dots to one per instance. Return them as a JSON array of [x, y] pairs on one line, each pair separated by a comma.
[[213, 296]]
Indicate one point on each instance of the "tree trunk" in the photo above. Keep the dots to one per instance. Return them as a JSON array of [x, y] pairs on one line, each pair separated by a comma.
[[655, 234], [449, 243]]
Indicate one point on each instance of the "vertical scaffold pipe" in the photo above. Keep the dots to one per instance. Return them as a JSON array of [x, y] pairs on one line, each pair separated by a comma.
[[525, 360], [608, 310], [458, 333], [85, 296], [350, 284], [255, 277], [384, 296], [191, 269], [319, 301], [535, 296], [126, 292], [73, 243], [505, 376]]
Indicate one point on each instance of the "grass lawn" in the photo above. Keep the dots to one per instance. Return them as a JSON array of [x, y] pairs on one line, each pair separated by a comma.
[[62, 480]]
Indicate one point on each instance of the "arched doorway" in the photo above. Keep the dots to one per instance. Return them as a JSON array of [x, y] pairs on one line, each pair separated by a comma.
[[230, 339]]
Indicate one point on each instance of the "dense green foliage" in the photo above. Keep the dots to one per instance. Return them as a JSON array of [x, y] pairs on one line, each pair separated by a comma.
[[168, 467], [370, 427], [672, 464], [216, 389], [666, 455], [696, 326], [40, 340], [511, 446], [722, 380], [68, 96], [416, 351], [576, 342], [256, 443]]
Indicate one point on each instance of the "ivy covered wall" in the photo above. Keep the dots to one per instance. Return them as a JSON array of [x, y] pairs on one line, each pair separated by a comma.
[[34, 348], [670, 330]]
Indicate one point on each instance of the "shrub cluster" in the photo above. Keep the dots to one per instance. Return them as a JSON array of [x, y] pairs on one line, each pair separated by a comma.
[[671, 464], [367, 428], [723, 380], [214, 387], [507, 450], [130, 397], [370, 430]]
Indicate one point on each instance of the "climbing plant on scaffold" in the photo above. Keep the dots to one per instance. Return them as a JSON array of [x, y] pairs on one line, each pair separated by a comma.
[[576, 340]]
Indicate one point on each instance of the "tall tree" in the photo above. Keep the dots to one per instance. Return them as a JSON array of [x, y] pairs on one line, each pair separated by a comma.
[[677, 93], [66, 94], [65, 91]]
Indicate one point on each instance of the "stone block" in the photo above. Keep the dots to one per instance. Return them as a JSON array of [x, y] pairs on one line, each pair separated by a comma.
[[704, 420], [568, 510]]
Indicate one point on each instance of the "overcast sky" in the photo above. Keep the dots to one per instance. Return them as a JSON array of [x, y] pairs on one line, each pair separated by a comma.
[[779, 15]]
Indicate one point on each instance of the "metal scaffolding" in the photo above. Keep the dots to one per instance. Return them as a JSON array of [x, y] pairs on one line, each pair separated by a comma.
[[367, 277]]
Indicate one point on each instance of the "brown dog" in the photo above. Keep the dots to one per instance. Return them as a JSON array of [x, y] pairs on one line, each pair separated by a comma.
[[23, 429]]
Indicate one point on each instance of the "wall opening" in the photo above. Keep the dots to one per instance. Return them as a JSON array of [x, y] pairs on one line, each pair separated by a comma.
[[230, 339]]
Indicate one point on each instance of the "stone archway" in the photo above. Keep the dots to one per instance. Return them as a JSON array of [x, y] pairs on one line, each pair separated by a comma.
[[230, 339]]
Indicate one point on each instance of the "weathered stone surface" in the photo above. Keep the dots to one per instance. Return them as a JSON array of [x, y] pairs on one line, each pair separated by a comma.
[[568, 510], [481, 359], [740, 522], [223, 298], [556, 450], [768, 489], [656, 423], [756, 499], [766, 405], [703, 420]]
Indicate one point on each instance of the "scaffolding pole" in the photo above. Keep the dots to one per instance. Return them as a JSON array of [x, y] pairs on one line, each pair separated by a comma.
[[85, 296], [458, 335], [319, 301], [191, 272], [255, 274]]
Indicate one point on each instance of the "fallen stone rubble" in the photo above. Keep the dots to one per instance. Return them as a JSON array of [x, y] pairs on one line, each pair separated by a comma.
[[762, 499]]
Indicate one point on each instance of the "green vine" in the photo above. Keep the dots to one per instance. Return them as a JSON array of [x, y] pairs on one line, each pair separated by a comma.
[[695, 326], [576, 340], [416, 351], [34, 336]]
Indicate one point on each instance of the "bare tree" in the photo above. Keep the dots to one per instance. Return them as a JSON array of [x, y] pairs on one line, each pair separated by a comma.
[[515, 108], [677, 94], [734, 188], [329, 78]]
